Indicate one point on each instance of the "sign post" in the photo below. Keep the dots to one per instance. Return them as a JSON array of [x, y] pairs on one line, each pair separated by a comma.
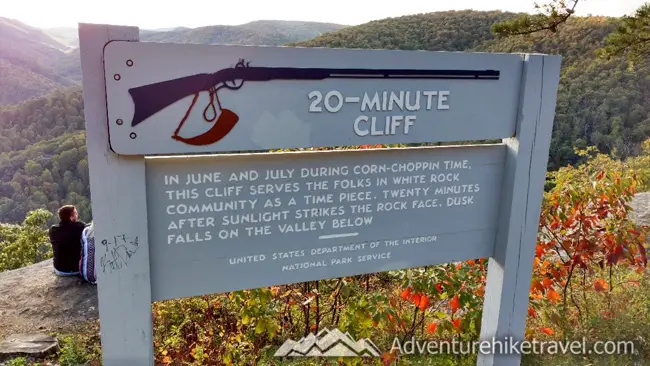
[[119, 206], [510, 267], [176, 219]]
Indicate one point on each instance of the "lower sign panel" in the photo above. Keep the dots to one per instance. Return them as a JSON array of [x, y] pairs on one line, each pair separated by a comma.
[[225, 223]]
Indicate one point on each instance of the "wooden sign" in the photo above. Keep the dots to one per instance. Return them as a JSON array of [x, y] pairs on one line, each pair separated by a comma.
[[174, 220]]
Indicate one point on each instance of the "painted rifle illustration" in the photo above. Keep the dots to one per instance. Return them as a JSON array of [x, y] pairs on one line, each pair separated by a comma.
[[151, 98]]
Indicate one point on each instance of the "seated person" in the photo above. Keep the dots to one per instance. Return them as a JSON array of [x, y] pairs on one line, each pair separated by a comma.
[[65, 238], [87, 263]]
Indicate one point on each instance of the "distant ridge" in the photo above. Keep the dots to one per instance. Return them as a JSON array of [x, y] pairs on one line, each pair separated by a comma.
[[35, 62], [259, 32], [66, 35], [18, 30], [28, 62]]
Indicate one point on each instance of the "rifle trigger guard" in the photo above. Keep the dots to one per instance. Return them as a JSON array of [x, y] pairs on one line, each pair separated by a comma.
[[235, 87]]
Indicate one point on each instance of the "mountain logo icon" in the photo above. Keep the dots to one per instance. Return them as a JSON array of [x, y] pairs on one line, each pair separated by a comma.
[[328, 343]]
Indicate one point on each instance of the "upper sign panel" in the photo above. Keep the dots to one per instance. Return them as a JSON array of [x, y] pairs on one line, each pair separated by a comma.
[[166, 98]]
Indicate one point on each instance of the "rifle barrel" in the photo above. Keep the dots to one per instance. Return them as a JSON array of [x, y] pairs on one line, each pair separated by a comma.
[[290, 73]]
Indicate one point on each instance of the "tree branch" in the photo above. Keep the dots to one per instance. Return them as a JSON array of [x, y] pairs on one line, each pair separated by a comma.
[[550, 18]]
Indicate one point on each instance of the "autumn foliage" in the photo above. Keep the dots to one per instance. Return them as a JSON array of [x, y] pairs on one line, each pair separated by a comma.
[[586, 232]]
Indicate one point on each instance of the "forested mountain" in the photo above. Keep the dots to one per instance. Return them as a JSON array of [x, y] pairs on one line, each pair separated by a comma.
[[34, 62], [47, 175], [602, 103], [67, 35], [262, 32], [41, 119], [42, 150], [28, 62], [440, 31], [43, 155]]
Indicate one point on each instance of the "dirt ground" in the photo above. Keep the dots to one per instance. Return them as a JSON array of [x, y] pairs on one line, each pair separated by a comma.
[[34, 299]]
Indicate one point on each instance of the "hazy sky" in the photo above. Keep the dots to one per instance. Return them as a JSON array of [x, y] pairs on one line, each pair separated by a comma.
[[196, 13]]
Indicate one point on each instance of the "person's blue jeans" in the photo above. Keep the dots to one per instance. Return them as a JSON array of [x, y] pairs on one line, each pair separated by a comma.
[[65, 274]]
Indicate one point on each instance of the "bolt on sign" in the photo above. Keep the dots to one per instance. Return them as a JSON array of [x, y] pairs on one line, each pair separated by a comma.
[[188, 200]]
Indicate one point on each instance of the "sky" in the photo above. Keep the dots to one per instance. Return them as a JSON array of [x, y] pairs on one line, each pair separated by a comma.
[[151, 14]]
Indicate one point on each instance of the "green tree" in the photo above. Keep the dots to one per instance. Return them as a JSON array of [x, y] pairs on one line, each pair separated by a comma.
[[549, 17], [631, 36], [26, 244]]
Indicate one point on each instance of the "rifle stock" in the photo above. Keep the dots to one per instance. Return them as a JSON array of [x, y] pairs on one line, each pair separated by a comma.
[[152, 98]]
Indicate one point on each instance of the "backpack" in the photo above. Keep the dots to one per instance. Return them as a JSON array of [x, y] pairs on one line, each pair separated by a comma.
[[87, 261]]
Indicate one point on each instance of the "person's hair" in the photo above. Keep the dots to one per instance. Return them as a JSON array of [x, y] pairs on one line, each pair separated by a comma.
[[65, 212]]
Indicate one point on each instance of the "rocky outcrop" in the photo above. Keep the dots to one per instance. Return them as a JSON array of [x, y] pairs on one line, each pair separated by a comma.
[[35, 300], [34, 346], [641, 206]]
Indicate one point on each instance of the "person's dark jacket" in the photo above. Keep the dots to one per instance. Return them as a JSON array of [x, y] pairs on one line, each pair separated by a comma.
[[66, 245]]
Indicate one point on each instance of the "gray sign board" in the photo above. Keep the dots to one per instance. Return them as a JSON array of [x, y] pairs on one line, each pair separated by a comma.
[[271, 219], [184, 98], [176, 226]]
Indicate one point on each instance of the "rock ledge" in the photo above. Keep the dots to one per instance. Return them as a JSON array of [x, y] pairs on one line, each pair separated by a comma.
[[35, 300], [29, 345]]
